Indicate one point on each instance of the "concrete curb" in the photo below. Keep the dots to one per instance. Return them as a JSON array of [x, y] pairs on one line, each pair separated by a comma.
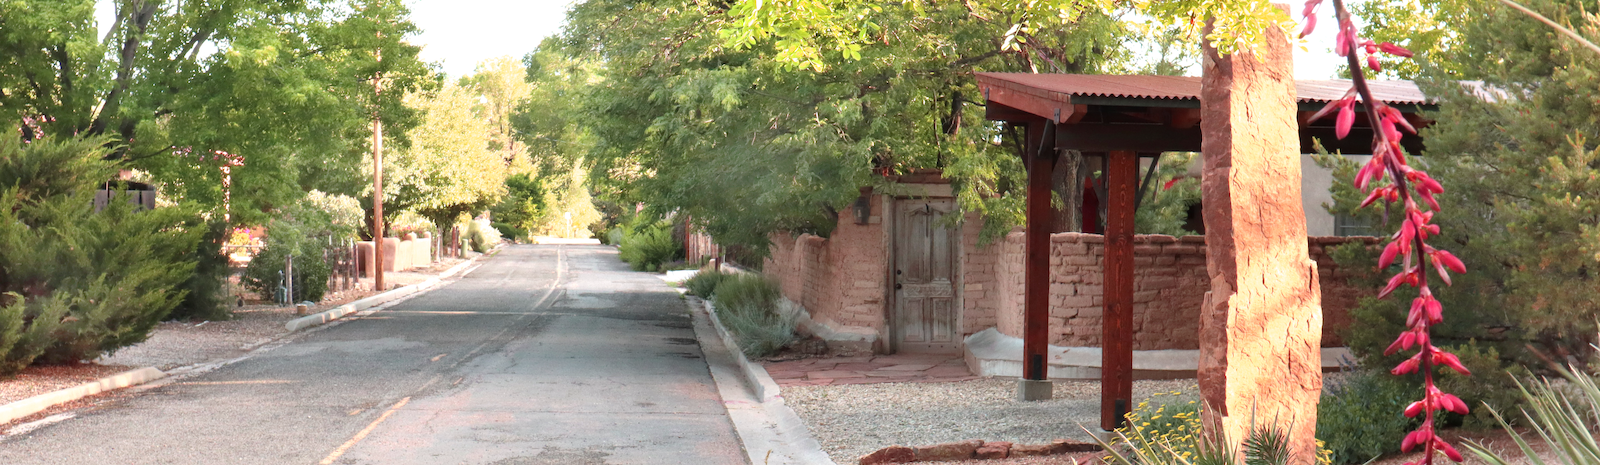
[[373, 301], [755, 376], [39, 403], [772, 434]]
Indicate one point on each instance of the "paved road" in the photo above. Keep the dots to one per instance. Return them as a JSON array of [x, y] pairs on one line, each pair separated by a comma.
[[545, 354]]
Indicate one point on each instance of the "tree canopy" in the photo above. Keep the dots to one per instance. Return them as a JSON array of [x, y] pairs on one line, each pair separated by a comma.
[[284, 85]]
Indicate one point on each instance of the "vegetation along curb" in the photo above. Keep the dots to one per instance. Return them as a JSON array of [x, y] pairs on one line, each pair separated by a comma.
[[369, 302], [36, 404], [755, 376]]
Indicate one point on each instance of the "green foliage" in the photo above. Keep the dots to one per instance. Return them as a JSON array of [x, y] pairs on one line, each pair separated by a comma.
[[1564, 417], [523, 202], [449, 170], [1171, 434], [79, 283], [1515, 153], [704, 284], [747, 305], [26, 330], [205, 297], [1165, 208], [284, 85], [305, 230], [1162, 426], [743, 146], [646, 245], [481, 237], [1477, 337], [1360, 416]]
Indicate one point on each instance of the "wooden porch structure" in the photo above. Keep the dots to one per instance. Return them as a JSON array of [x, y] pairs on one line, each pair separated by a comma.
[[1119, 119]]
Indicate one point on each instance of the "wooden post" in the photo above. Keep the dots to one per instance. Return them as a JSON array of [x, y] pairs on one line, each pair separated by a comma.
[[1116, 347], [1035, 384], [1261, 322], [377, 191]]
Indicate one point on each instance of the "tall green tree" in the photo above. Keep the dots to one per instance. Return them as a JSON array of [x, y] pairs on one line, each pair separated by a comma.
[[449, 169], [745, 145], [285, 85], [1514, 139]]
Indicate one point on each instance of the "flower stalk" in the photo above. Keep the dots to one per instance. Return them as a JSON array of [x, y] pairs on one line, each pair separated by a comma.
[[1409, 244]]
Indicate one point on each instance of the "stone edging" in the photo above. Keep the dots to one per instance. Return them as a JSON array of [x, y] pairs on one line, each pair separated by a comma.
[[39, 403], [755, 375], [369, 302], [975, 450]]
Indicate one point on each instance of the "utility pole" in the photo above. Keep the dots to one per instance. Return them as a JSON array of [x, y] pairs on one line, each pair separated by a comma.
[[377, 182]]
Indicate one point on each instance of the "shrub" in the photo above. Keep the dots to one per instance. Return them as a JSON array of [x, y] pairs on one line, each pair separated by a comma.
[[1170, 433], [310, 272], [86, 282], [303, 230], [206, 298], [1360, 416], [748, 306], [481, 237], [704, 283], [647, 248], [1564, 416]]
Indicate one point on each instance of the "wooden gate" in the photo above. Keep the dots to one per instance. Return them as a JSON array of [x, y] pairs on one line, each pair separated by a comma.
[[925, 317]]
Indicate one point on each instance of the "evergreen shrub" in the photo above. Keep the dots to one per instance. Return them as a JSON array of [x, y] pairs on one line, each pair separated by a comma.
[[646, 245], [480, 237], [1360, 416], [78, 283]]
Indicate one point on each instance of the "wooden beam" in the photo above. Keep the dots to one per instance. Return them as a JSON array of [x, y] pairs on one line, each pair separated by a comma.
[[1054, 106], [1036, 267], [1091, 137], [1000, 112], [1116, 346]]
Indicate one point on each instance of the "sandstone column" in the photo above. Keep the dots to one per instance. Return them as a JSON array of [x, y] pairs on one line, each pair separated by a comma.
[[1261, 322]]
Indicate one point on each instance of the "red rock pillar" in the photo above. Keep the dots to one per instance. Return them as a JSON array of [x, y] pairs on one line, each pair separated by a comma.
[[1116, 348], [1261, 322]]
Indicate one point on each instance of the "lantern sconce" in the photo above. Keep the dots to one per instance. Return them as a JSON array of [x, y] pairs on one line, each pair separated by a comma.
[[863, 206]]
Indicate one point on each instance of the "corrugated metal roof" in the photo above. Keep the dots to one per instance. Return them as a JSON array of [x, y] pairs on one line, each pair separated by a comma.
[[1187, 87]]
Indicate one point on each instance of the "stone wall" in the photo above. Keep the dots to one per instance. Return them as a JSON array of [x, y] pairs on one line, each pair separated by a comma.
[[840, 280], [1169, 282]]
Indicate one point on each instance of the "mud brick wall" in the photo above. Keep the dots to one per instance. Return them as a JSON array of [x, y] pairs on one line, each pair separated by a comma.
[[840, 280], [1169, 282]]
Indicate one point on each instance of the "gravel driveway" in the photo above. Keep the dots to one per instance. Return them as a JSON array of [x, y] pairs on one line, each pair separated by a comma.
[[854, 420]]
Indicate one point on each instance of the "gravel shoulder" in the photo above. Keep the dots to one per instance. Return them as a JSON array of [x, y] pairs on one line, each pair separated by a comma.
[[854, 420]]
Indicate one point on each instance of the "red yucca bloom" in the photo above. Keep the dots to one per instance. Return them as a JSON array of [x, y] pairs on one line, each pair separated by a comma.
[[1408, 246]]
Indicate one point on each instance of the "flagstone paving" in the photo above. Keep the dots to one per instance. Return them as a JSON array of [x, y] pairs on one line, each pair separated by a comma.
[[869, 369]]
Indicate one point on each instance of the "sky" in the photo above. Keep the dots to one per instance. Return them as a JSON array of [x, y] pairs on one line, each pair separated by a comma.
[[459, 34]]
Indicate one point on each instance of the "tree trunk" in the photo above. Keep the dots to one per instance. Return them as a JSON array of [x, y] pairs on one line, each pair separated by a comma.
[[1067, 182]]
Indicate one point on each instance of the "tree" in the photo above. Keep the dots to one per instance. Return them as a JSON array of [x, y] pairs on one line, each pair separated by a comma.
[[743, 145], [284, 84], [449, 169], [1518, 151], [503, 85]]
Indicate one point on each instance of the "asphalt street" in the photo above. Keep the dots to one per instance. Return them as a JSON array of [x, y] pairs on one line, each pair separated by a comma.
[[544, 354]]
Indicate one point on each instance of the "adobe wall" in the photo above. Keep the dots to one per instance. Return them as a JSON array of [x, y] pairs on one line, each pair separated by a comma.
[[1169, 282], [840, 280]]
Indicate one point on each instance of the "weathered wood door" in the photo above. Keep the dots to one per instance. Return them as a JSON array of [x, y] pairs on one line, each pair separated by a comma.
[[925, 316]]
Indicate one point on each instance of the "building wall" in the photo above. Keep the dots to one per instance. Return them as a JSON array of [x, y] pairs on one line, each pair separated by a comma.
[[1169, 283], [842, 282]]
